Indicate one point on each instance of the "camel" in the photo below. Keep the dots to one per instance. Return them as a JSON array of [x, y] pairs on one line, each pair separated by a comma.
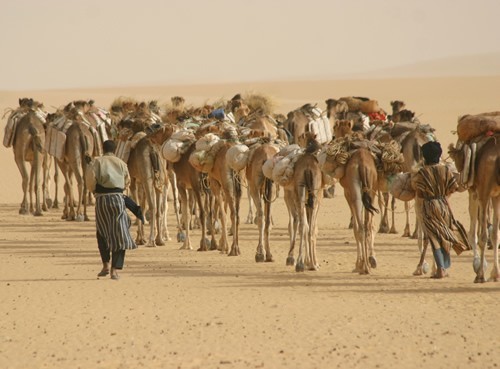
[[188, 179], [148, 173], [358, 177], [260, 189], [224, 183], [485, 188], [79, 143], [303, 196], [28, 146], [343, 128]]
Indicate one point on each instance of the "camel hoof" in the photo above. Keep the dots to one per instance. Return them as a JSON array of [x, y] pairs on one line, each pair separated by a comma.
[[160, 243], [269, 259], [290, 261], [249, 220], [80, 218], [181, 236], [38, 213], [23, 211], [299, 267], [213, 245], [372, 261], [185, 247], [259, 258], [45, 208], [383, 229], [393, 231], [418, 271], [479, 280], [406, 234], [235, 251]]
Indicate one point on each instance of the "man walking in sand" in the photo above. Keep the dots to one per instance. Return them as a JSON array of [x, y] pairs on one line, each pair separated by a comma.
[[107, 177], [433, 184]]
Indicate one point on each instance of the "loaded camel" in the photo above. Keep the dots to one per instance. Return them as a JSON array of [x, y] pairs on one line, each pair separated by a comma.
[[357, 174], [303, 194], [28, 145]]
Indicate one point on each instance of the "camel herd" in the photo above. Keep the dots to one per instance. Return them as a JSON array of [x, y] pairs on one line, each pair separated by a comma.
[[207, 155]]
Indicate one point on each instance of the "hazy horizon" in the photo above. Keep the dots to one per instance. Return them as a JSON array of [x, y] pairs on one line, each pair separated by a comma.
[[58, 44]]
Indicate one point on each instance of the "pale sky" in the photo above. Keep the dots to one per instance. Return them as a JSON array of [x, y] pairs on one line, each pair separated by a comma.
[[100, 43]]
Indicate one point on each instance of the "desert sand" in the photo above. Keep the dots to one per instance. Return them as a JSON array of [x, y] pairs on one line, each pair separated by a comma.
[[185, 309]]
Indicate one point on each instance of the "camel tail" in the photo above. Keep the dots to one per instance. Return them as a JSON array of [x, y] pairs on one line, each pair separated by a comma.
[[237, 185], [268, 189], [366, 189], [309, 183]]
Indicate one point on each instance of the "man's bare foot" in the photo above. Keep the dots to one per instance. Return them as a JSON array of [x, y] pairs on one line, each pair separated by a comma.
[[114, 274], [440, 273]]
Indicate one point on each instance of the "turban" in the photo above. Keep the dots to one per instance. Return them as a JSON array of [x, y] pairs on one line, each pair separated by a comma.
[[432, 152]]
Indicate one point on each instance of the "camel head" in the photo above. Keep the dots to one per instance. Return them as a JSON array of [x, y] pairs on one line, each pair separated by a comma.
[[336, 108], [308, 140], [159, 133], [457, 155], [178, 102], [342, 128], [406, 115], [26, 102], [154, 107], [397, 106], [81, 105]]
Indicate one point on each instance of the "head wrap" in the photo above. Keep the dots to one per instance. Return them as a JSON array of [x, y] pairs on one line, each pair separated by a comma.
[[432, 152]]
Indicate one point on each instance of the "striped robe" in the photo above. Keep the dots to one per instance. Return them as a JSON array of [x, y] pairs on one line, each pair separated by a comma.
[[433, 184], [113, 222]]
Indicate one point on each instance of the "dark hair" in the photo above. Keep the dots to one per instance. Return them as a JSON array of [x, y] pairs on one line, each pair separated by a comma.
[[109, 146], [432, 152]]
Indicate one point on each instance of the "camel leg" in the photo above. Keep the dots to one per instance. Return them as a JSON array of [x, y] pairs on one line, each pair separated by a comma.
[[356, 211], [406, 231], [159, 216], [473, 216], [370, 239], [223, 244], [420, 267], [483, 239], [393, 222], [55, 204], [313, 233], [255, 195], [37, 171], [268, 187], [150, 195], [234, 205], [292, 225], [46, 201], [197, 194], [495, 276], [185, 216], [175, 192], [31, 188], [250, 216], [163, 235], [383, 201], [21, 164], [299, 266]]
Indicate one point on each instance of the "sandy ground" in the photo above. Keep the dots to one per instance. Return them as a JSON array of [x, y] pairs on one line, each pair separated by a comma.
[[186, 309]]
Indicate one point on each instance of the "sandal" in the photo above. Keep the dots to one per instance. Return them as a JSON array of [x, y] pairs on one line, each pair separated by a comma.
[[103, 273]]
